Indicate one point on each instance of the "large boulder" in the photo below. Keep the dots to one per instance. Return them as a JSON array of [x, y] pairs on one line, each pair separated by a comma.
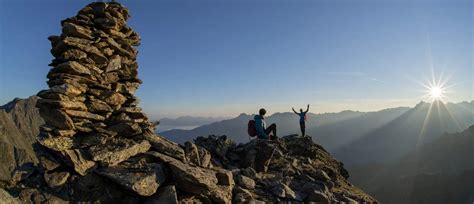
[[197, 180]]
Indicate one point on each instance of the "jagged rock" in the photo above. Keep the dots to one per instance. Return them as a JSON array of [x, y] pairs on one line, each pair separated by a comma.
[[37, 196], [245, 182], [115, 63], [56, 179], [77, 159], [197, 180], [67, 89], [165, 194], [259, 154], [48, 164], [283, 191], [64, 133], [242, 195], [6, 198], [74, 54], [286, 170], [116, 151], [197, 155], [165, 146], [114, 98], [63, 104], [57, 118], [84, 115], [348, 200], [76, 31], [20, 174], [72, 67], [144, 182], [126, 129], [58, 143], [96, 105], [321, 175], [218, 146], [319, 197], [224, 177]]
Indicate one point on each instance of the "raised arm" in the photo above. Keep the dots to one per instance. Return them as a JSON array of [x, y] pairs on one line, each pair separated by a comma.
[[307, 109], [294, 110]]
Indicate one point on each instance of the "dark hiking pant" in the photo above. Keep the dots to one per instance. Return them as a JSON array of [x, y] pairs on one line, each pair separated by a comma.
[[271, 129], [303, 128]]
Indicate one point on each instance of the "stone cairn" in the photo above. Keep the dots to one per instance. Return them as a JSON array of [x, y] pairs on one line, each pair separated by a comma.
[[95, 134]]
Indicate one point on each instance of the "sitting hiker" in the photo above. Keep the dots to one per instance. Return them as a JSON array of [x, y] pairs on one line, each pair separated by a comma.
[[260, 126], [302, 119]]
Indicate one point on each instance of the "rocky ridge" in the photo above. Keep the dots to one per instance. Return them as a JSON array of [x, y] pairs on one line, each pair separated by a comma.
[[97, 146], [290, 169], [19, 122]]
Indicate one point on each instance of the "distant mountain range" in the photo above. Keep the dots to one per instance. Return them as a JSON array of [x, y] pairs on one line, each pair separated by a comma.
[[441, 171], [185, 122], [236, 128], [417, 126]]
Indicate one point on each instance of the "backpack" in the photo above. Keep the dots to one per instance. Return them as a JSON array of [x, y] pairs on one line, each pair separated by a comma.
[[251, 129]]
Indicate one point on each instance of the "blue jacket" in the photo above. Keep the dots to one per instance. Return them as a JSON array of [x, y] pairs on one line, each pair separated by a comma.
[[302, 116], [260, 126]]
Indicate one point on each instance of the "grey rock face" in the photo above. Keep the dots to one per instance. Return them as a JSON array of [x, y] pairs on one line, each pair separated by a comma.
[[197, 155], [56, 179], [197, 180], [6, 198], [246, 182], [116, 151], [166, 194], [143, 181], [19, 127]]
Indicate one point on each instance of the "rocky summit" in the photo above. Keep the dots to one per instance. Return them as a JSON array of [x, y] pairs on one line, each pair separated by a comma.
[[96, 145]]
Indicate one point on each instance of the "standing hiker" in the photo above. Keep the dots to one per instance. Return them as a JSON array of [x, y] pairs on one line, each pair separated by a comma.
[[260, 126], [302, 119]]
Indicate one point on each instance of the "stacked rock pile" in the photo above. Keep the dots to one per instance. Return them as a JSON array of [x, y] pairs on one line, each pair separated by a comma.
[[94, 127], [91, 115]]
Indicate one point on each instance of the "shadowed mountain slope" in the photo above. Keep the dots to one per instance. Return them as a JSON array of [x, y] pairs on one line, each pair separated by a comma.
[[19, 126], [441, 171], [422, 124]]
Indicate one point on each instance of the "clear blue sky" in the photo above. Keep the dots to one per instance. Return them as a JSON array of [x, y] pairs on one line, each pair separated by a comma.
[[224, 57]]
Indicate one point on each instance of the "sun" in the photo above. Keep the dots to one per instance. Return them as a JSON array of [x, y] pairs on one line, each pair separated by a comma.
[[436, 92]]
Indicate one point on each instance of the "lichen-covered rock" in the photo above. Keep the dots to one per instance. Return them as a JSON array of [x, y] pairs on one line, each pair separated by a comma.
[[116, 151], [143, 181], [165, 146]]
